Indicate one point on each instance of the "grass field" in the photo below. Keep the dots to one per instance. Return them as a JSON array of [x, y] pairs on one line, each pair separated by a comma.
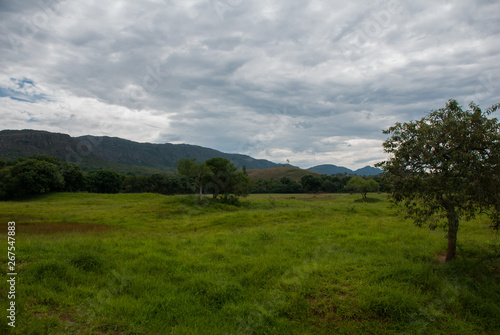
[[280, 264]]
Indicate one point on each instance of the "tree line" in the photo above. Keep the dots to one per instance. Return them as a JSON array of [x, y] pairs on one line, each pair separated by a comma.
[[217, 176], [341, 183], [44, 174]]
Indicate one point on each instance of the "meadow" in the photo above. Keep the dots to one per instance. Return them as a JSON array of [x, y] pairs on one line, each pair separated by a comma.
[[278, 264]]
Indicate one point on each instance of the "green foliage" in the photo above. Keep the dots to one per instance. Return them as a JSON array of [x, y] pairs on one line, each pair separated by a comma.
[[38, 175], [216, 176], [225, 178], [324, 183], [278, 172], [158, 183], [197, 171], [283, 185], [310, 183], [104, 181], [362, 185], [74, 179], [30, 177], [307, 264], [446, 166]]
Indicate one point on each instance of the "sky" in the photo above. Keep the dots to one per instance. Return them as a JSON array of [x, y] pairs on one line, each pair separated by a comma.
[[308, 82]]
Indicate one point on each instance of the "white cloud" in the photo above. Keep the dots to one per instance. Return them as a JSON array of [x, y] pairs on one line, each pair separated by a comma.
[[313, 82]]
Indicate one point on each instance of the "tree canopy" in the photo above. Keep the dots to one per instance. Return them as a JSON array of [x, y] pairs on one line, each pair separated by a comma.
[[216, 176], [361, 185], [446, 167], [226, 178], [197, 171]]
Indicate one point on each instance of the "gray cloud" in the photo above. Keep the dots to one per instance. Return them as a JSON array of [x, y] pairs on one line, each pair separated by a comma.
[[314, 82]]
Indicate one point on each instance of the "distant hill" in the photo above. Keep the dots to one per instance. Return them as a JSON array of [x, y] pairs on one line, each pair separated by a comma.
[[330, 169], [368, 171], [93, 152], [293, 173]]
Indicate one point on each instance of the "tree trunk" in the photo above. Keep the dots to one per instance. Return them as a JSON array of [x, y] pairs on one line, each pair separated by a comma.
[[452, 233]]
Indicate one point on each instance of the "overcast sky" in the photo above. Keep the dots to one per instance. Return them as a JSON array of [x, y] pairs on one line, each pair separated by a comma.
[[312, 82]]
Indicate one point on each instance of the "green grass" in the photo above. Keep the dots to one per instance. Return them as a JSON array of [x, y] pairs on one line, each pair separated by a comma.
[[279, 264]]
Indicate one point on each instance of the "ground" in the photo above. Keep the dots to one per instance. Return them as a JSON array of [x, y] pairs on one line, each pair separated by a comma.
[[279, 264]]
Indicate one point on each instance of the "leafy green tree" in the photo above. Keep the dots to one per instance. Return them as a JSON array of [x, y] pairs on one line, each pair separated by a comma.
[[47, 158], [310, 183], [361, 185], [226, 178], [73, 177], [135, 184], [197, 171], [105, 181], [6, 182], [32, 176], [445, 167]]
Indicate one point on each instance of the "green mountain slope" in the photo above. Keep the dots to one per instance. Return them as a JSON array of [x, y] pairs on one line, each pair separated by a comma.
[[91, 152]]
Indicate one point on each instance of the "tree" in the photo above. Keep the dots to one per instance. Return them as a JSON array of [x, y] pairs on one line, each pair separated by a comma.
[[446, 166], [105, 181], [198, 171], [225, 178], [360, 185], [310, 183], [73, 177], [34, 176]]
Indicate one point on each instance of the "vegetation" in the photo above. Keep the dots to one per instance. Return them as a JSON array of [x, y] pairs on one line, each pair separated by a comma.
[[279, 264], [362, 185], [95, 153], [446, 166], [157, 183], [276, 173], [225, 178], [105, 182], [45, 174], [197, 171], [310, 184]]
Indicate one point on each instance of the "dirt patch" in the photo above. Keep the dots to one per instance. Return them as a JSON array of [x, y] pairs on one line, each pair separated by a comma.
[[60, 227], [441, 258]]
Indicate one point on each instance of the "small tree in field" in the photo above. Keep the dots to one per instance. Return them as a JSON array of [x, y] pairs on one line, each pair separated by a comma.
[[360, 185], [446, 165], [198, 171], [226, 178]]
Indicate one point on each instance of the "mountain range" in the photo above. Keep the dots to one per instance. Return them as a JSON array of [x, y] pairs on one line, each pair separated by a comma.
[[103, 152], [334, 169]]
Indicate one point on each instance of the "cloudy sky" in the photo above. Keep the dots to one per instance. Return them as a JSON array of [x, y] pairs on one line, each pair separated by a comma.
[[312, 82]]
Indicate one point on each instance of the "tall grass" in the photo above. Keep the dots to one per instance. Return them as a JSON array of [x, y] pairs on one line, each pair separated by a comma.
[[279, 264]]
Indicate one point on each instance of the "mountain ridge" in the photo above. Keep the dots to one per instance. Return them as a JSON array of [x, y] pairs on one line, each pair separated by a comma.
[[98, 152], [331, 169], [115, 153]]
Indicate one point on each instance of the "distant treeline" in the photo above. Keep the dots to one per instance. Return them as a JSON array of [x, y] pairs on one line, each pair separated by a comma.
[[45, 174], [310, 184]]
